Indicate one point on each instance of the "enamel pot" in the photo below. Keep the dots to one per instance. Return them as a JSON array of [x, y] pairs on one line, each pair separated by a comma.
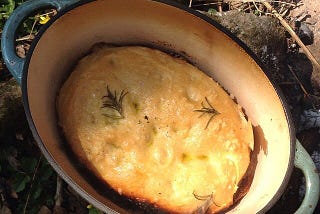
[[168, 26]]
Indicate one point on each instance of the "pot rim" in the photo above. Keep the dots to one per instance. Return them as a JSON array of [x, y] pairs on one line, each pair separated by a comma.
[[80, 190]]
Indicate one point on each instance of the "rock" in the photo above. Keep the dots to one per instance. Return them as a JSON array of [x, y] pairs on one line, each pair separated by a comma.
[[5, 210], [262, 34], [310, 10], [44, 210], [59, 210], [305, 33], [309, 119]]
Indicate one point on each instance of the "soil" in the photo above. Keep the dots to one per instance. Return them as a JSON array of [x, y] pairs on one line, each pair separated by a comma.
[[309, 13]]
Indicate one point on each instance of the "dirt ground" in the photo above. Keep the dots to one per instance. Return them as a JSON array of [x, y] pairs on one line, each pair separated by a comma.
[[309, 14]]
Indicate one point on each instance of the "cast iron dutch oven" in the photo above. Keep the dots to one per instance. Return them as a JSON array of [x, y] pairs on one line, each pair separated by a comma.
[[167, 26]]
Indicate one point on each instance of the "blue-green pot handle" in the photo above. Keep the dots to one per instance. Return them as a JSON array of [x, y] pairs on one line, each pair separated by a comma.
[[13, 62], [304, 162]]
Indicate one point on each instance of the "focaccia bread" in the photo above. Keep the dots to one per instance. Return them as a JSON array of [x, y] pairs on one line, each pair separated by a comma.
[[155, 128]]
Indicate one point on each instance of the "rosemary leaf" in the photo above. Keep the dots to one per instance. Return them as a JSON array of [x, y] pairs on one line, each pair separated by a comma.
[[207, 110], [208, 201], [114, 101]]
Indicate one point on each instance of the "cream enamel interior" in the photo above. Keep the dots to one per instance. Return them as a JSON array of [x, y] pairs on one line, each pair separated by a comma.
[[156, 24]]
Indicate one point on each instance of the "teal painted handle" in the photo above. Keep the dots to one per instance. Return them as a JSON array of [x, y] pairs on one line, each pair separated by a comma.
[[13, 62], [304, 162]]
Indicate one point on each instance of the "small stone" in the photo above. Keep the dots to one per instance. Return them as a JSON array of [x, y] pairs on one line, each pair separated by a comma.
[[59, 210], [264, 35], [44, 210], [5, 210], [304, 33]]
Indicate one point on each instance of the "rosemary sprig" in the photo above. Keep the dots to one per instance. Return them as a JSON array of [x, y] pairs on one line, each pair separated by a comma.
[[207, 110], [114, 101], [208, 201], [202, 197]]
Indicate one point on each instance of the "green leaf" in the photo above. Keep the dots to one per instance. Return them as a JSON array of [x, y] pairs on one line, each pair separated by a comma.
[[45, 172], [34, 210], [28, 164], [93, 210], [212, 11], [256, 12], [37, 191], [20, 181], [12, 5], [8, 8], [49, 202]]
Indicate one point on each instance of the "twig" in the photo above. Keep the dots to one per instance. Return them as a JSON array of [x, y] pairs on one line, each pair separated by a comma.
[[293, 34], [33, 26], [300, 83], [234, 5], [31, 35], [208, 201], [204, 4], [25, 38], [31, 185], [257, 8], [52, 12], [283, 13], [247, 6], [58, 196], [306, 94], [302, 16], [220, 6], [287, 83], [288, 3]]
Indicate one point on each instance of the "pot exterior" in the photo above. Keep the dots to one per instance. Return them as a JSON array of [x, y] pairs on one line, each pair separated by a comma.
[[170, 27]]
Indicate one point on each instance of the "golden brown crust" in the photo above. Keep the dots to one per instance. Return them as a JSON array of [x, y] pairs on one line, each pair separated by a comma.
[[159, 149]]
